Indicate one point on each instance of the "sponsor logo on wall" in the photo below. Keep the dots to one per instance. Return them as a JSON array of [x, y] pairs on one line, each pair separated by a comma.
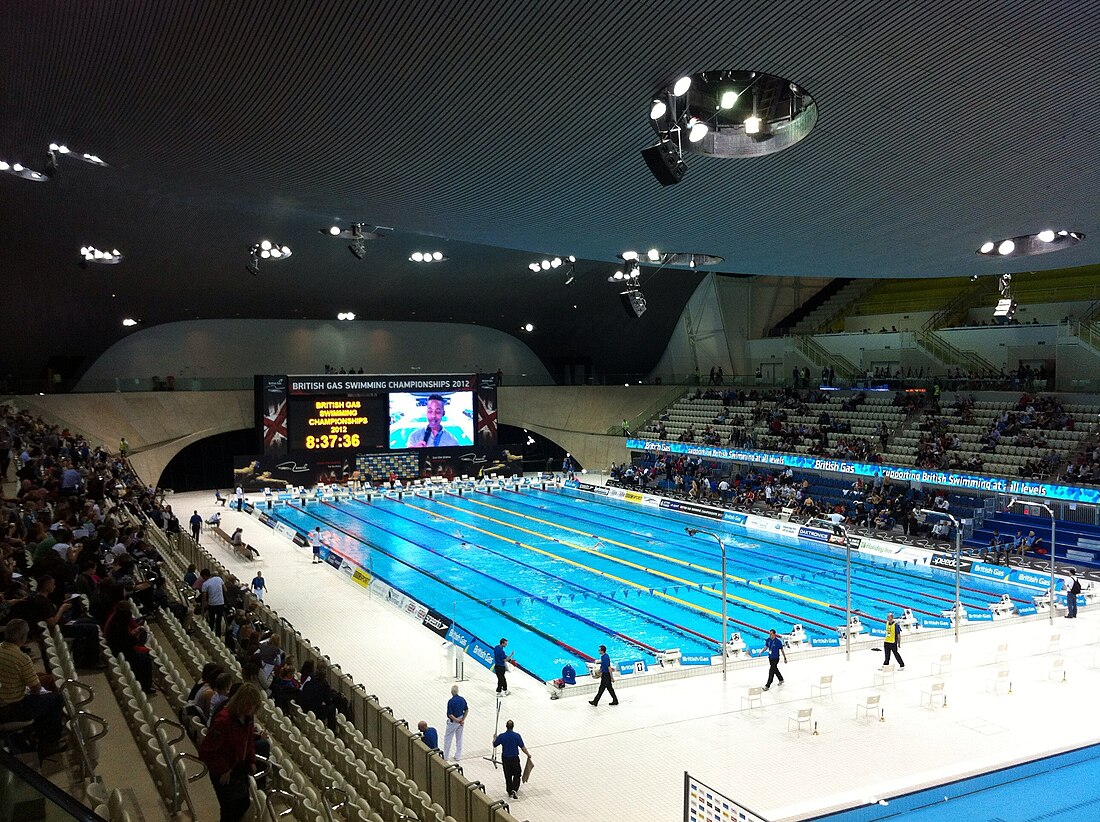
[[437, 622], [362, 577], [481, 652], [947, 561]]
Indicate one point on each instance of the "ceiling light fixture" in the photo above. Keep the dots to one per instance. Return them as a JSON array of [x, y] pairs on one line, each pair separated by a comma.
[[427, 257], [265, 250], [19, 170], [358, 236], [91, 254], [56, 150], [697, 129], [527, 327], [130, 322], [710, 120], [345, 315], [549, 263], [1025, 245]]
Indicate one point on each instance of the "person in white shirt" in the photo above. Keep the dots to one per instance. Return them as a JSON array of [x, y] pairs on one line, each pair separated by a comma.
[[240, 499], [213, 599]]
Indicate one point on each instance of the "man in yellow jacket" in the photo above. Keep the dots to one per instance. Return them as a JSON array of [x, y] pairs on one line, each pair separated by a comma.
[[892, 642]]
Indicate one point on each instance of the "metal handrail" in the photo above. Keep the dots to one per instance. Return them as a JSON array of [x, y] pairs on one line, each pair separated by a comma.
[[819, 355], [76, 684], [182, 731]]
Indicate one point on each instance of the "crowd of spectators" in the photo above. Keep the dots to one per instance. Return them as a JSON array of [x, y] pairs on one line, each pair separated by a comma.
[[1084, 467], [71, 558], [876, 504]]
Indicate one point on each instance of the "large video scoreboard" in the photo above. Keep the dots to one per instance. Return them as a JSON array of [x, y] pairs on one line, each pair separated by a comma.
[[369, 412]]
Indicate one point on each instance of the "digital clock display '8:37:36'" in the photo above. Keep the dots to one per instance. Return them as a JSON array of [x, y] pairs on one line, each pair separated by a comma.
[[325, 441]]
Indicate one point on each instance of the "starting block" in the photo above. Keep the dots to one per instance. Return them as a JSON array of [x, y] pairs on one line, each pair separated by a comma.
[[908, 621], [736, 646], [1003, 607], [796, 638], [669, 658], [854, 628]]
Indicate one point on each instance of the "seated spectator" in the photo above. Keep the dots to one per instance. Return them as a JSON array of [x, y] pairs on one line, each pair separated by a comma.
[[220, 695], [284, 686], [127, 636], [23, 695], [317, 695]]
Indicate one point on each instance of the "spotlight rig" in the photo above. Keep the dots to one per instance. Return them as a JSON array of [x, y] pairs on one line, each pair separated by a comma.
[[265, 250], [358, 236]]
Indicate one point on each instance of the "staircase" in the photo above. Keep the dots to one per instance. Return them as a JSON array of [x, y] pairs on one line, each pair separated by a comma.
[[938, 348], [819, 318], [830, 289], [813, 351]]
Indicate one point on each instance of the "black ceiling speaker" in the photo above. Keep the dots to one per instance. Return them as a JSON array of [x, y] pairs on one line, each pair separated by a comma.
[[633, 302], [665, 162]]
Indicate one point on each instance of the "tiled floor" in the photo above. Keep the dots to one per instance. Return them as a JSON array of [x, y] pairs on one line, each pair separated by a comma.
[[628, 762]]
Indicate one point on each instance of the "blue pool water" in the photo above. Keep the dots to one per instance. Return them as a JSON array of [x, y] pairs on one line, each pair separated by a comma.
[[559, 574], [1061, 788]]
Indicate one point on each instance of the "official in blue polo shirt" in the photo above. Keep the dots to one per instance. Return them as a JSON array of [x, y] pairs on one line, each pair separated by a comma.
[[605, 679], [457, 711], [428, 734], [500, 665], [511, 744]]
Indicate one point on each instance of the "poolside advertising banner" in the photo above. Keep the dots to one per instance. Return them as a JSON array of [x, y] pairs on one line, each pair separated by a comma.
[[691, 508], [948, 561], [969, 482], [435, 621]]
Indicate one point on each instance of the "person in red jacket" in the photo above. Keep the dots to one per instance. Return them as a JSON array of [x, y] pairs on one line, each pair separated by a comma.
[[229, 751]]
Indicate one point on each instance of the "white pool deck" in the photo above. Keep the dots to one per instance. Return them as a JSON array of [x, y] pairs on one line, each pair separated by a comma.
[[628, 762]]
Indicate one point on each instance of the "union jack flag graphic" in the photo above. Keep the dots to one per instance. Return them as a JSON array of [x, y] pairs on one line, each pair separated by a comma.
[[486, 421], [275, 426]]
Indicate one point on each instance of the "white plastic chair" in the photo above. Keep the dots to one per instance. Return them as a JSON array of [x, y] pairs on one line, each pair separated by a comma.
[[753, 699], [885, 676], [870, 703], [1000, 679], [823, 686], [934, 695], [941, 665], [802, 716], [1057, 670]]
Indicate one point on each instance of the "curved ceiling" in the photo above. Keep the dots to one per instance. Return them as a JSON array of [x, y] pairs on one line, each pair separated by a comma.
[[507, 131]]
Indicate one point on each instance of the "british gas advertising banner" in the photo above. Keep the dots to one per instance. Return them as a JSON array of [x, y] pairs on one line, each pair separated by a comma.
[[969, 482]]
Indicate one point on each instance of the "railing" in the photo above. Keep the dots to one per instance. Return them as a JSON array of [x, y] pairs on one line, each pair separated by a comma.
[[636, 422], [940, 349], [821, 356], [958, 306], [1088, 333], [462, 799], [18, 780]]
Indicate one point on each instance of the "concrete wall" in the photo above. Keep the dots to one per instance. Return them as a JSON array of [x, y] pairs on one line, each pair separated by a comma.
[[199, 349], [577, 417], [723, 316], [158, 425]]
